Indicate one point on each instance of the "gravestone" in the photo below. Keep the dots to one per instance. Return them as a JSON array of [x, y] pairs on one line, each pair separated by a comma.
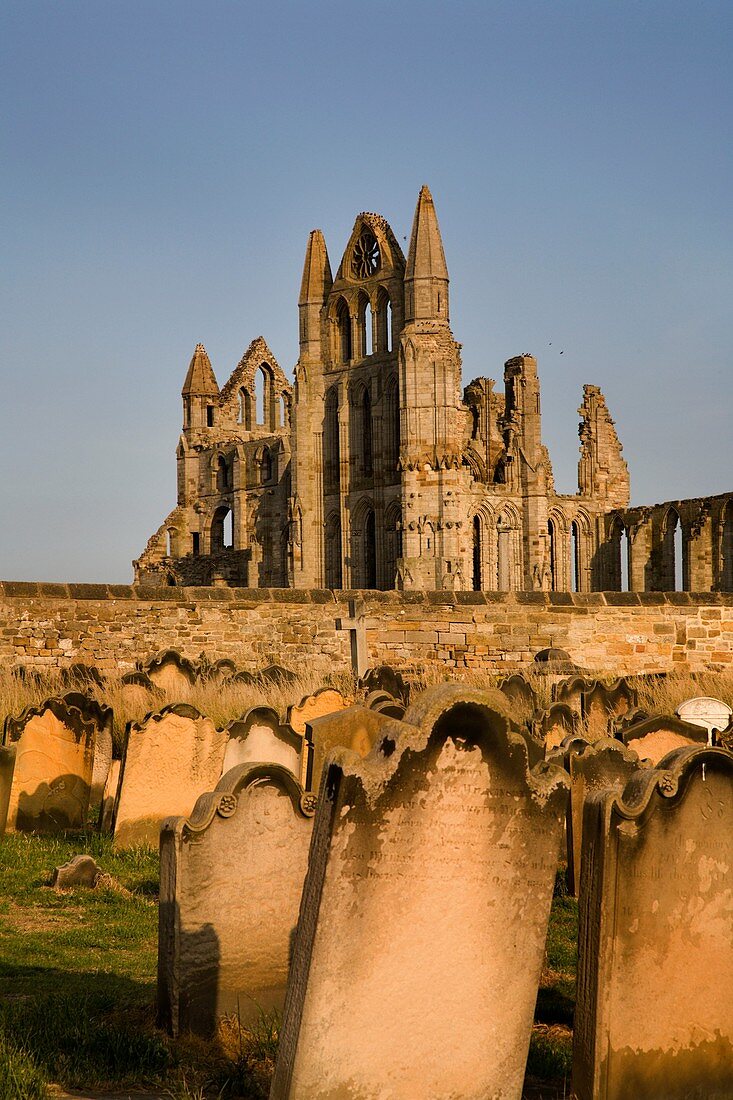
[[570, 692], [103, 718], [606, 765], [654, 1013], [171, 672], [553, 725], [519, 692], [7, 767], [54, 763], [653, 738], [324, 701], [711, 714], [231, 878], [631, 718], [422, 929], [355, 728], [79, 871], [261, 738], [385, 678], [139, 691], [276, 674], [601, 704], [169, 759]]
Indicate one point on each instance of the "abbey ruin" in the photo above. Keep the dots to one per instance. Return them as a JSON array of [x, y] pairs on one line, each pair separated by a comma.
[[374, 471]]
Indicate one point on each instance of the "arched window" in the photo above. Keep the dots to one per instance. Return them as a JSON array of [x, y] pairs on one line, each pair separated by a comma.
[[284, 411], [364, 327], [244, 411], [368, 330], [331, 449], [617, 578], [333, 577], [392, 426], [727, 549], [574, 557], [554, 563], [384, 321], [222, 534], [222, 473], [365, 411], [477, 554], [260, 395], [343, 327], [672, 553], [474, 421], [170, 542], [265, 466], [393, 544], [370, 551]]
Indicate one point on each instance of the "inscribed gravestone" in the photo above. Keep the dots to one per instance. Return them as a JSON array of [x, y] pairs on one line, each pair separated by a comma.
[[654, 1013], [409, 976], [231, 881], [355, 728], [52, 776], [606, 765], [711, 714], [653, 738], [261, 738], [169, 759]]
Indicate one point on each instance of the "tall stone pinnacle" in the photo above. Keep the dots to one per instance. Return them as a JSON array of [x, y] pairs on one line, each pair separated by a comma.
[[317, 279], [200, 380], [426, 274]]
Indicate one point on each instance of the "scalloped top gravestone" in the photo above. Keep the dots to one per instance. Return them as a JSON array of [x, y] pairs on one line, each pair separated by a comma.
[[261, 738], [231, 878], [422, 929], [54, 764], [169, 759], [602, 703], [519, 692], [553, 725], [171, 672], [653, 738], [654, 1012], [711, 714], [324, 701]]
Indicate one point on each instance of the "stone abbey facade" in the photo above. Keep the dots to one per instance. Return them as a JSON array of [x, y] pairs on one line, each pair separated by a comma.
[[374, 470]]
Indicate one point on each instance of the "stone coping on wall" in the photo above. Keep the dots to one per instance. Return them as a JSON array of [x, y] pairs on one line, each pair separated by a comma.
[[243, 596]]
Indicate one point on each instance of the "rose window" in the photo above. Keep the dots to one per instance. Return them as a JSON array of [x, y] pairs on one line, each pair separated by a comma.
[[365, 260]]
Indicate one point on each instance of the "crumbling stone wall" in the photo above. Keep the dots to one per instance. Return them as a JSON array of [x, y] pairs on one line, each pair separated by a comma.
[[113, 626]]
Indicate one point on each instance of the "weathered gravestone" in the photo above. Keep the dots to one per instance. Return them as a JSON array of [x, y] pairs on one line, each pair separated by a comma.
[[7, 767], [601, 704], [171, 672], [654, 1012], [53, 768], [653, 738], [79, 871], [138, 692], [109, 797], [711, 714], [261, 738], [385, 678], [570, 692], [103, 718], [605, 766], [169, 759], [231, 878], [326, 700], [553, 725], [422, 928], [355, 728], [519, 692], [384, 703]]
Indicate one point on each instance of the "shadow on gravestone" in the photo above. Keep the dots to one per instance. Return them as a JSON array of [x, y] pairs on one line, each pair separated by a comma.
[[654, 1013], [355, 728], [653, 738], [409, 978], [519, 692], [171, 671], [553, 725], [384, 703], [234, 869], [53, 767]]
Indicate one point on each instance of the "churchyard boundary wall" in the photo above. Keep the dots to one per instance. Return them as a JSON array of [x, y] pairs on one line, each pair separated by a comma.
[[115, 626]]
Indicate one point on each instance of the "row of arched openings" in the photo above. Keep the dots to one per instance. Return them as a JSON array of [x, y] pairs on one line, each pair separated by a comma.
[[224, 474], [365, 571], [364, 333], [497, 552], [674, 572], [260, 406]]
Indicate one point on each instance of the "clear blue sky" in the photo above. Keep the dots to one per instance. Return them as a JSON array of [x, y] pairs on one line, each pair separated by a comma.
[[163, 163]]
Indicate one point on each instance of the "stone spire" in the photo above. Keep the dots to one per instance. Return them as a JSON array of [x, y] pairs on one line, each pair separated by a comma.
[[426, 274], [200, 380], [314, 290], [317, 279]]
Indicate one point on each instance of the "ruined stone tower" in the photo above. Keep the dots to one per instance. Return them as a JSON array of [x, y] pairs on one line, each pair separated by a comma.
[[376, 470]]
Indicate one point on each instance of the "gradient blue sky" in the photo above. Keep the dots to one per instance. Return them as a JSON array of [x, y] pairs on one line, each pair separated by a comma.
[[164, 162]]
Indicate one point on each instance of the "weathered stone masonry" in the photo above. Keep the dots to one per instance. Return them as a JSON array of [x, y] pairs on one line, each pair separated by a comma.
[[113, 626]]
